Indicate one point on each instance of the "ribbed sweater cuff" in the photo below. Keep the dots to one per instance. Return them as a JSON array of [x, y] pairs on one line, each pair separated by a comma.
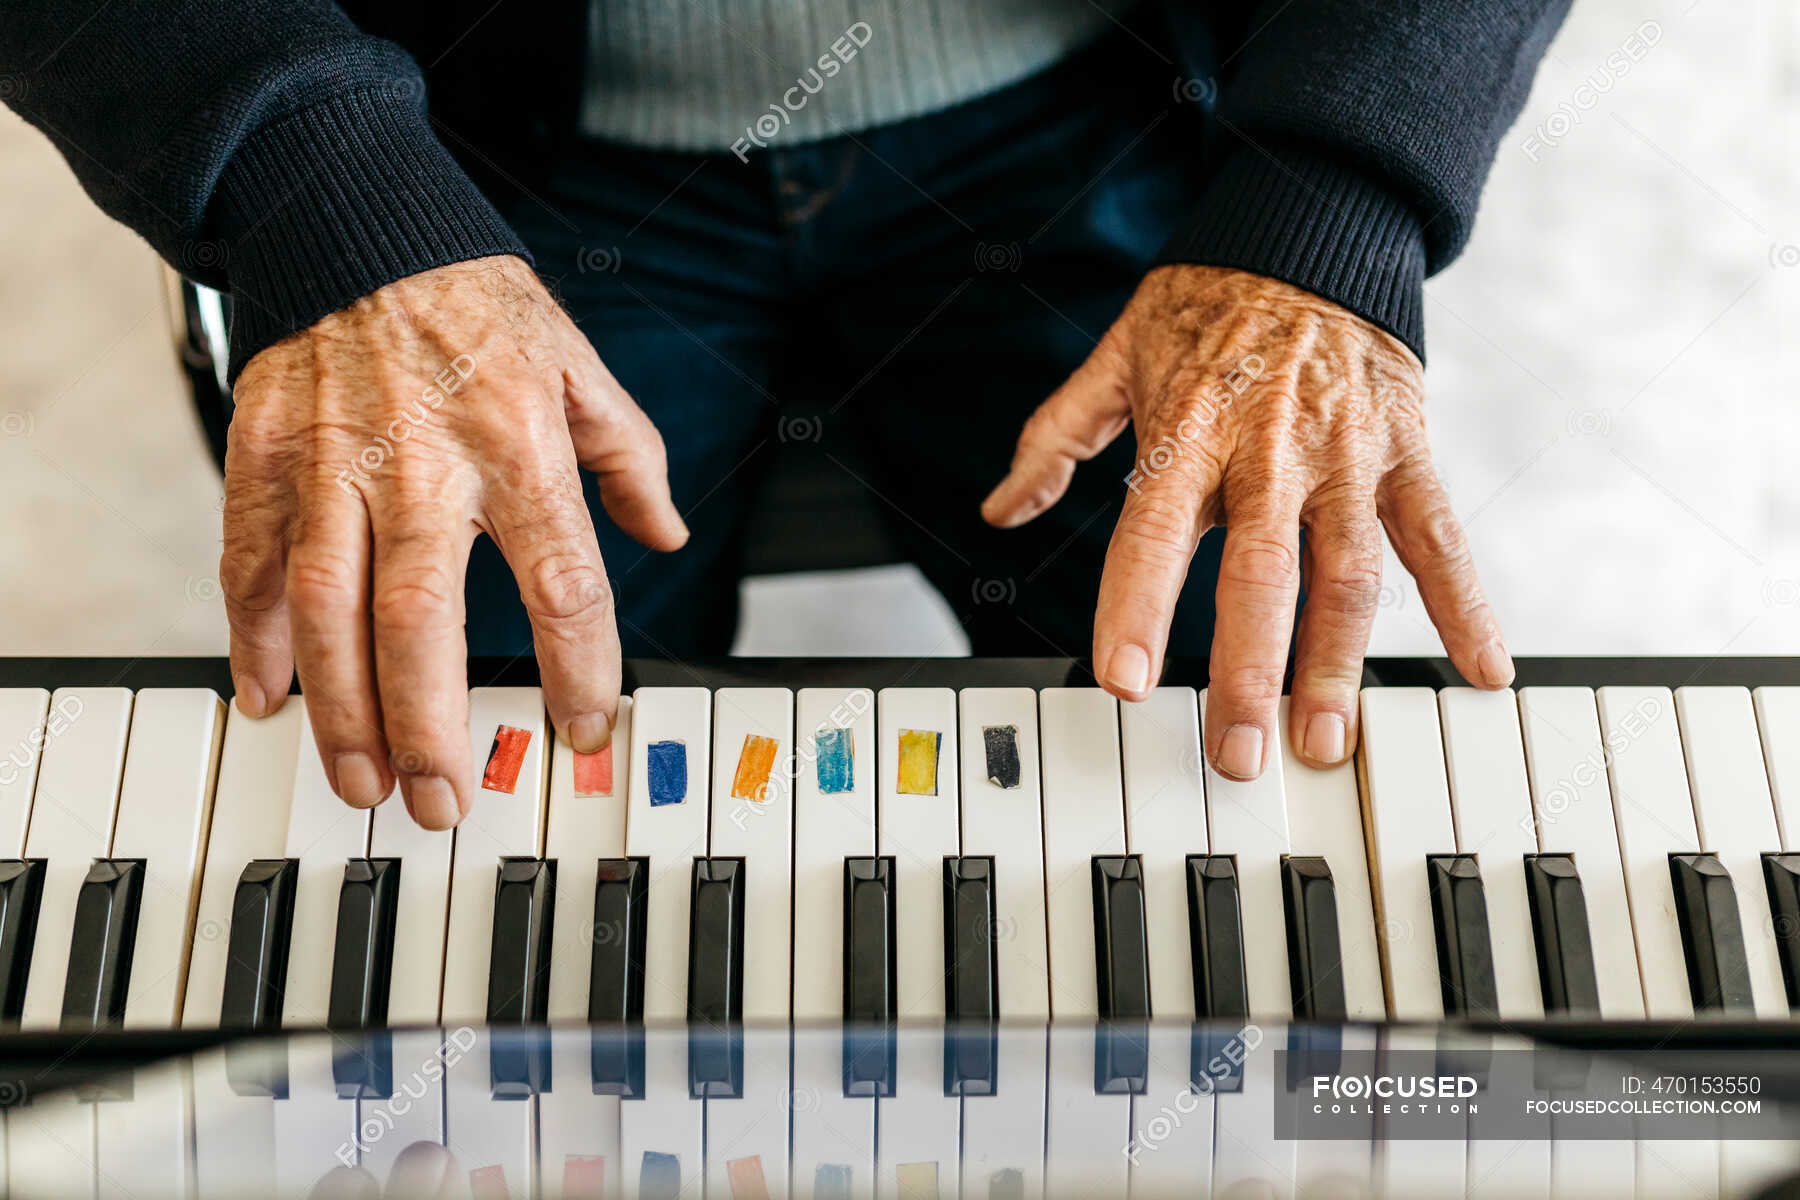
[[336, 201], [1305, 220]]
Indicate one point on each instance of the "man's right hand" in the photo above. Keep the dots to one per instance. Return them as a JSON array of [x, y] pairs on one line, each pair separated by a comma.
[[365, 455]]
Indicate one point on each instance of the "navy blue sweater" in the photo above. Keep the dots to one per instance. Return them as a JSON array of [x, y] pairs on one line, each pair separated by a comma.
[[282, 150]]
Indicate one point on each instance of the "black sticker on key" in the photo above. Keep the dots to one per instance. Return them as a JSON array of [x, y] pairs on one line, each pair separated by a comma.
[[1002, 743]]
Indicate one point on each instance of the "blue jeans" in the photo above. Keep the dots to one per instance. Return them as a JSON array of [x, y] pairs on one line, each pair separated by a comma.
[[928, 284]]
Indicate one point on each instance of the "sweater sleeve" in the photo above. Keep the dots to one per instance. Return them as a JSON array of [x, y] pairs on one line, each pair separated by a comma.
[[1354, 137], [268, 148]]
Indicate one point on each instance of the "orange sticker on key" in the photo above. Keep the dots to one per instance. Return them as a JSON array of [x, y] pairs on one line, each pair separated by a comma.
[[755, 762], [593, 772], [505, 759]]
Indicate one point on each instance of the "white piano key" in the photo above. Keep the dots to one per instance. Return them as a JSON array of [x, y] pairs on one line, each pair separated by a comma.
[[322, 834], [1747, 1167], [1250, 821], [142, 1142], [582, 829], [1778, 721], [1736, 819], [1324, 816], [1248, 1160], [1406, 802], [1004, 1133], [1171, 1144], [500, 824], [165, 806], [1678, 1170], [1084, 815], [761, 831], [414, 1111], [665, 1123], [1592, 1168], [71, 825], [918, 830], [491, 1139], [249, 821], [315, 1131], [578, 1132], [1655, 818], [919, 1128], [1086, 1130], [1336, 1166], [421, 910], [828, 828], [747, 1137], [1572, 801], [829, 1128], [671, 834], [22, 736], [51, 1148], [1165, 806], [234, 1135], [1490, 803], [1008, 823]]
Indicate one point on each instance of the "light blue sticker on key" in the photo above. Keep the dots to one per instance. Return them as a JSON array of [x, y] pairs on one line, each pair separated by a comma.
[[836, 761], [668, 772]]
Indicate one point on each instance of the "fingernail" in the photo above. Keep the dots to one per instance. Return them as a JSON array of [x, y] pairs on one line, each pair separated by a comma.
[[590, 732], [1240, 752], [1495, 664], [1129, 670], [358, 782], [433, 802], [250, 699], [1325, 738]]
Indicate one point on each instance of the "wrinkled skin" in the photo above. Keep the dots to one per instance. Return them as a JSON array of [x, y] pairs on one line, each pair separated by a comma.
[[1264, 409], [365, 455]]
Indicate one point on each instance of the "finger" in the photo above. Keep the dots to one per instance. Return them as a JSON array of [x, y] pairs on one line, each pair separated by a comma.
[[1343, 592], [1433, 548], [328, 609], [416, 611], [1259, 579], [423, 1169], [1080, 419], [545, 533], [619, 444], [252, 567], [1146, 564]]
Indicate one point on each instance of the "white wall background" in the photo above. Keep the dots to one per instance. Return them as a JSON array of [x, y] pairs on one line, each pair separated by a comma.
[[1612, 382]]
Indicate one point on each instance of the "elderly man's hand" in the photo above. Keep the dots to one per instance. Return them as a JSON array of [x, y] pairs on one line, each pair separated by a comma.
[[1262, 408], [365, 455]]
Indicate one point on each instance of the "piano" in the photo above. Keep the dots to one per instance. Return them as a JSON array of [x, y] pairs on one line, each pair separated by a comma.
[[851, 927]]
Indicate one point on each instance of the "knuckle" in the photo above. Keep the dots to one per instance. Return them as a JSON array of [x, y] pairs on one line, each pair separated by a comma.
[[250, 578], [322, 578], [1349, 584], [1248, 685], [408, 595], [567, 589], [1162, 522], [1262, 558]]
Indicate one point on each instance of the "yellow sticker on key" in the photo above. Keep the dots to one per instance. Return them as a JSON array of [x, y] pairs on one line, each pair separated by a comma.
[[755, 761], [919, 762]]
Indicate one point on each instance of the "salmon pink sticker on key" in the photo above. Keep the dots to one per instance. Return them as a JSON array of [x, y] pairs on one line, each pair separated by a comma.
[[505, 759], [593, 772], [584, 1174], [488, 1183]]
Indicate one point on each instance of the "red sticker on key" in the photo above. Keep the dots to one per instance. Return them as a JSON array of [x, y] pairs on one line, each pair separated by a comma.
[[505, 759], [593, 772]]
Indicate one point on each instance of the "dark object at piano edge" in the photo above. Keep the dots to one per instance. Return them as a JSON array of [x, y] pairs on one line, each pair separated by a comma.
[[1670, 672]]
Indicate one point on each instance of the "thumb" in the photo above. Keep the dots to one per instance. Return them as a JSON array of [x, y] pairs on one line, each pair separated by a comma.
[[616, 441], [1080, 419]]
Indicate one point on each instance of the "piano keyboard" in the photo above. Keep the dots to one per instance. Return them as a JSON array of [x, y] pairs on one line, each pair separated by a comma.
[[962, 842]]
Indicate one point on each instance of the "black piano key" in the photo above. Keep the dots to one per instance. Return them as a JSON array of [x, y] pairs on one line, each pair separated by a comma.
[[1121, 1057], [1121, 949], [715, 999], [621, 916], [1712, 935], [1465, 948], [871, 984], [101, 943], [971, 972], [616, 1060], [1315, 955], [256, 962], [519, 958], [362, 1064], [362, 959], [1565, 951], [21, 892], [1781, 876], [1216, 937]]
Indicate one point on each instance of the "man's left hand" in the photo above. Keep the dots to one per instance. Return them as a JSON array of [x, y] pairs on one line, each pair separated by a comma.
[[1265, 409]]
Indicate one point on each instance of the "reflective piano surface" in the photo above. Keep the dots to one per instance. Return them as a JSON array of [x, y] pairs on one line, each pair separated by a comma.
[[1607, 856]]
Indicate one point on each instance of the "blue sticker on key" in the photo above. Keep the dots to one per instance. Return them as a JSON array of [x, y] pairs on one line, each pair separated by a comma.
[[668, 772], [837, 761]]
